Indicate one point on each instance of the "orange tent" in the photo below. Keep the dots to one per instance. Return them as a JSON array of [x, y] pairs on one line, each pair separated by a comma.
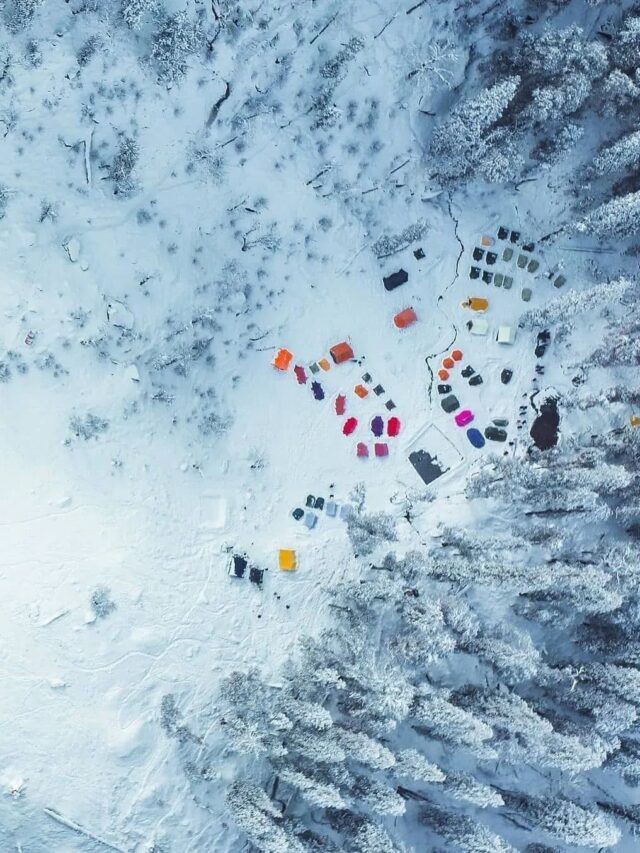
[[324, 364], [476, 303], [456, 355], [448, 363], [341, 352], [287, 560], [361, 391], [282, 359], [443, 375], [405, 318]]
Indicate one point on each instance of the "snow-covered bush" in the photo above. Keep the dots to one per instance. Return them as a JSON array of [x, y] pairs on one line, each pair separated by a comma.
[[137, 12], [122, 166], [174, 42]]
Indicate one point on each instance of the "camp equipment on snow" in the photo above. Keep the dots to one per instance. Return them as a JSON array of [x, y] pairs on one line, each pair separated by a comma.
[[418, 254], [559, 281], [346, 511], [507, 254], [256, 575], [366, 377], [506, 334], [456, 354], [505, 376], [283, 359], [503, 233], [444, 389], [467, 371], [495, 434], [450, 403], [311, 500], [405, 318], [508, 281], [362, 450], [542, 342], [340, 404], [318, 393], [528, 247], [487, 277], [478, 254], [526, 294], [237, 566], [475, 303], [395, 279], [464, 417], [378, 390], [360, 391], [297, 513], [301, 374], [448, 363], [476, 380], [475, 437], [443, 374], [349, 426], [390, 405], [332, 509], [377, 426], [319, 504], [341, 352], [393, 427], [314, 368], [522, 261], [287, 560], [501, 422], [30, 337], [515, 236], [478, 326], [491, 258], [381, 449], [485, 240], [324, 364], [310, 520], [533, 265], [498, 279], [474, 272]]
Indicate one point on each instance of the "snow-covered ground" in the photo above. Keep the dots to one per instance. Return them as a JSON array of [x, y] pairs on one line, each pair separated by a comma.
[[193, 465]]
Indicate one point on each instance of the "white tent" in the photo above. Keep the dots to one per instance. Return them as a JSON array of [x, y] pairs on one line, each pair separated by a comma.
[[506, 334], [479, 326]]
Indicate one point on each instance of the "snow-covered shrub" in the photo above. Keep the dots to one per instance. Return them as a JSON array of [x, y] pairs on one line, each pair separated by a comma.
[[4, 200], [136, 12], [367, 531], [390, 244], [172, 44], [88, 50], [122, 166], [88, 426], [20, 13], [101, 602]]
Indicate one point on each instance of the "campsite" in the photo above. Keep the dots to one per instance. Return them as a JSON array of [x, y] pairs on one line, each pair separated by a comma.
[[320, 426]]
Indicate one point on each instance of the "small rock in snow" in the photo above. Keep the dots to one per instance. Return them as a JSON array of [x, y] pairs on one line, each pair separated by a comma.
[[132, 373], [73, 249], [119, 315], [57, 683]]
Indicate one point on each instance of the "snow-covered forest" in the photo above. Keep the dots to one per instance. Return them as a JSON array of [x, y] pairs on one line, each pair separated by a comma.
[[319, 351]]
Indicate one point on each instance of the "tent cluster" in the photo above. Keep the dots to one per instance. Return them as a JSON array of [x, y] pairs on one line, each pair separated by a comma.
[[330, 507]]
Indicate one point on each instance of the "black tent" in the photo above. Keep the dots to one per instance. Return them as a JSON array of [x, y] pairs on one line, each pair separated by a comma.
[[395, 279]]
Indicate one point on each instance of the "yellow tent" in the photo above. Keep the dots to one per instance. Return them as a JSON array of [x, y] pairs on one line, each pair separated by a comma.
[[287, 560], [634, 420]]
